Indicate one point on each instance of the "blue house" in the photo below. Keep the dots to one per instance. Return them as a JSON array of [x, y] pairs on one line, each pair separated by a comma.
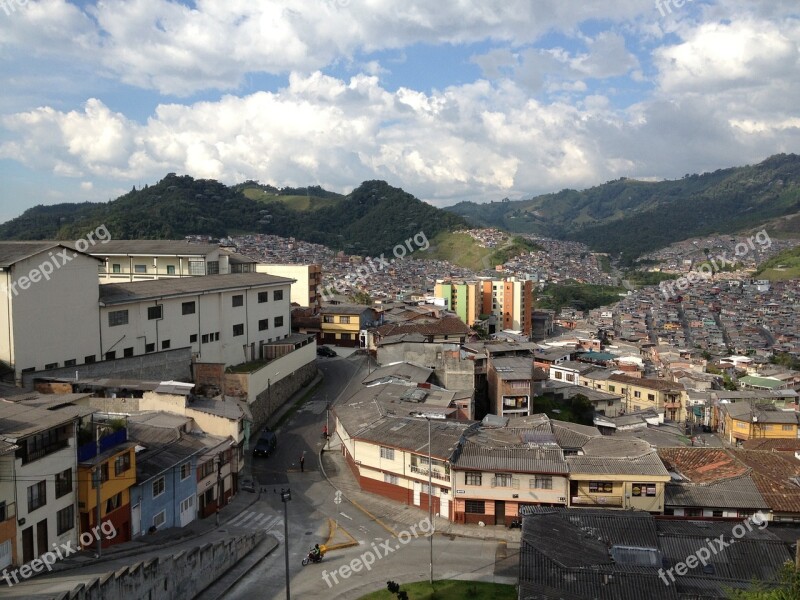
[[165, 494]]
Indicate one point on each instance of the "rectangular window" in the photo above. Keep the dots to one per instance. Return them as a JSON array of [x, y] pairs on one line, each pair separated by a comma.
[[111, 355], [651, 397], [114, 502], [215, 337], [237, 300], [387, 453], [558, 375], [502, 480], [263, 297], [128, 352], [277, 295], [206, 469], [197, 267], [783, 427], [158, 487], [475, 507], [263, 324], [65, 519], [160, 519], [637, 394], [344, 320], [278, 321], [186, 470], [542, 482], [51, 365], [117, 317], [612, 388], [213, 267], [3, 512], [170, 269], [71, 362], [154, 312], [204, 338], [37, 496], [165, 344], [63, 483], [238, 330], [116, 268], [187, 308], [643, 489], [600, 487], [389, 478], [193, 338], [150, 347], [327, 319], [140, 268], [89, 359], [122, 463], [473, 477]]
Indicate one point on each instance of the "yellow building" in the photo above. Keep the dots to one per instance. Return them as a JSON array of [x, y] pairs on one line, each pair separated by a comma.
[[112, 459], [742, 421], [307, 282], [640, 394], [341, 324]]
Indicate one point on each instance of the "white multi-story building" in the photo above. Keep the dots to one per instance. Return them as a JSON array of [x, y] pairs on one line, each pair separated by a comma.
[[223, 318], [308, 281]]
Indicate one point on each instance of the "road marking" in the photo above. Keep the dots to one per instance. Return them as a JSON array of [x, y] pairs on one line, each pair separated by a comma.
[[345, 516]]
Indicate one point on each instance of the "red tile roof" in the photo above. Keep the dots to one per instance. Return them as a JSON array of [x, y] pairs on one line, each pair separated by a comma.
[[702, 465], [769, 445], [773, 474]]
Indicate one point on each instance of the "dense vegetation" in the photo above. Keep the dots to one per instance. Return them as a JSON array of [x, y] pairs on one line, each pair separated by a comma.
[[580, 296], [628, 218], [641, 278], [370, 220]]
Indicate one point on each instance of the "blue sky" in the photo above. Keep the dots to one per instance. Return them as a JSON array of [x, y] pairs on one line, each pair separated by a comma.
[[468, 100]]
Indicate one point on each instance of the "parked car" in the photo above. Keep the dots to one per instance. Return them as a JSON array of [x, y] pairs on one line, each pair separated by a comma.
[[325, 351], [266, 443]]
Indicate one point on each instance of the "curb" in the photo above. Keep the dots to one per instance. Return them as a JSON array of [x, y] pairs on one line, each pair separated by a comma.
[[333, 527]]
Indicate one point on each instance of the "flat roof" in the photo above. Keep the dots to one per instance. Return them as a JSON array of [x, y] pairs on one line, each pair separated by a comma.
[[123, 293], [152, 248]]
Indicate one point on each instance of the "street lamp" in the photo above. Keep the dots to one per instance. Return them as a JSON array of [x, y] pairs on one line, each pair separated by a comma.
[[286, 495], [430, 496]]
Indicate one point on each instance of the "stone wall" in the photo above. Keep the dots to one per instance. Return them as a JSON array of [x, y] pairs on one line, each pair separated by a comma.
[[156, 366], [271, 399], [181, 576]]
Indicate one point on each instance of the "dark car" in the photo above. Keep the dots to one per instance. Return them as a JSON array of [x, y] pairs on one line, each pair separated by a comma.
[[266, 443], [325, 351]]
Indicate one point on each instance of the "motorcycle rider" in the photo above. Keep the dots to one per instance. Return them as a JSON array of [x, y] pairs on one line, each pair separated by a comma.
[[316, 552]]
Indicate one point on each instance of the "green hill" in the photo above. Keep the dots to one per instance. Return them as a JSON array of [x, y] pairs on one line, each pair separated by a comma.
[[629, 217], [370, 220], [780, 267], [461, 249]]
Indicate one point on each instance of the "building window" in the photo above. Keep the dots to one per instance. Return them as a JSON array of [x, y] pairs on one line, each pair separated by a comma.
[[600, 487], [344, 320], [111, 355], [186, 470], [206, 469], [328, 319], [783, 427], [263, 324], [215, 337], [651, 397], [237, 300], [160, 519], [122, 463], [37, 496], [263, 297], [63, 483], [205, 338], [65, 519], [389, 478], [158, 487], [475, 507], [116, 268], [154, 312], [278, 321], [71, 362], [238, 330], [187, 504], [165, 344], [150, 347], [117, 317], [387, 453], [542, 482], [643, 489], [140, 268], [3, 513], [503, 480], [51, 365], [637, 394], [170, 269], [213, 267], [277, 295], [114, 502], [612, 388], [193, 338], [128, 352], [188, 308], [89, 359], [197, 267], [558, 375], [473, 478]]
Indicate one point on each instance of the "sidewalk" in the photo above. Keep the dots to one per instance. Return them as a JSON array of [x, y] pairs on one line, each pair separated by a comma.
[[394, 516]]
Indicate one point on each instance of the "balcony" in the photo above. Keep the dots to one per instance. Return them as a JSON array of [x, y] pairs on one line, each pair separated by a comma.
[[435, 474], [596, 501]]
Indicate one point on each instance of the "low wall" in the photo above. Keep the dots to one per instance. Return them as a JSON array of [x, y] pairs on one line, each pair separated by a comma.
[[181, 576], [271, 399]]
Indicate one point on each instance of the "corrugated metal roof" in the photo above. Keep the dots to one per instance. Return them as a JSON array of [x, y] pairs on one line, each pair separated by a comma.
[[649, 464], [738, 493], [535, 459]]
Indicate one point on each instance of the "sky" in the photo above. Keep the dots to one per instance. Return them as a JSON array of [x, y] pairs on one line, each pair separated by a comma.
[[451, 100]]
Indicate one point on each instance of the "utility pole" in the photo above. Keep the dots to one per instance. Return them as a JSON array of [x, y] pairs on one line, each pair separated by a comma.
[[98, 480], [219, 487], [327, 424], [286, 495], [430, 496]]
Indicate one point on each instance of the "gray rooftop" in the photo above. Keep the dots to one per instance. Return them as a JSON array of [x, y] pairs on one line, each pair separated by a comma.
[[512, 367], [520, 459], [121, 293], [738, 493], [18, 420], [159, 455], [14, 252], [648, 464], [153, 248], [401, 370]]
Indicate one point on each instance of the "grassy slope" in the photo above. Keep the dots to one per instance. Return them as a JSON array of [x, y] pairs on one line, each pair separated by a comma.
[[299, 203], [785, 265], [461, 249]]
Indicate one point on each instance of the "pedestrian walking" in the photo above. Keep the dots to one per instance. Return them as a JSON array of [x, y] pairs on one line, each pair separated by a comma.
[[302, 461]]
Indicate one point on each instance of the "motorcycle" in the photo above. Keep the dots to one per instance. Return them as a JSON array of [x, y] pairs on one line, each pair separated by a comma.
[[312, 558]]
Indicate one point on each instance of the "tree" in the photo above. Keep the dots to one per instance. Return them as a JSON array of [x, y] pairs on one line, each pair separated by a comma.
[[788, 588]]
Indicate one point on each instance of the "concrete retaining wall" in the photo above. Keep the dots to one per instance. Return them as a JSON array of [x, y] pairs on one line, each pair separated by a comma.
[[271, 399], [181, 576]]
